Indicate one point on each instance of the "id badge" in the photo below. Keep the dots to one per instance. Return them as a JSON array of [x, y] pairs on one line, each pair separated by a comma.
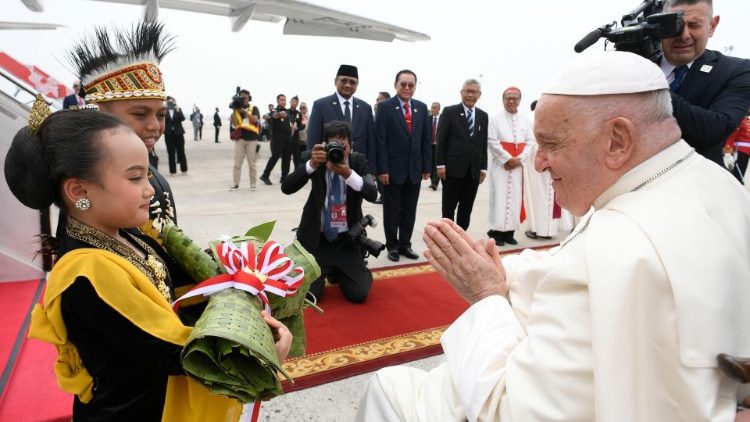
[[338, 216]]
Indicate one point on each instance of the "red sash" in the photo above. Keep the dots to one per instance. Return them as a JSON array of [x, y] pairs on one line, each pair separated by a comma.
[[513, 149]]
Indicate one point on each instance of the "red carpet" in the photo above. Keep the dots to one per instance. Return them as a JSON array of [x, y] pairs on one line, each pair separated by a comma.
[[402, 320], [405, 315], [15, 301], [29, 389]]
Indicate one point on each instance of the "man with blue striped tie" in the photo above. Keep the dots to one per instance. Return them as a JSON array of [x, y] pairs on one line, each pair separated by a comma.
[[461, 153]]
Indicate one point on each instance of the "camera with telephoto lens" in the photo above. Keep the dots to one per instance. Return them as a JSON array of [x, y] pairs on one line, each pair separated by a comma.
[[335, 153], [237, 100], [359, 235], [641, 30]]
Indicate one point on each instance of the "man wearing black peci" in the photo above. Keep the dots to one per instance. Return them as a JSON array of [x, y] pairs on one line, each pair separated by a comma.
[[333, 207]]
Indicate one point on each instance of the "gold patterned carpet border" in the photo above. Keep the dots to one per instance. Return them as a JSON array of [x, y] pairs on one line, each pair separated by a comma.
[[387, 273], [363, 352]]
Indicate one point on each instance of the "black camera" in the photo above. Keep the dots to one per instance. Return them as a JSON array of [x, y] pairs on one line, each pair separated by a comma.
[[335, 153], [641, 32], [237, 100], [358, 235]]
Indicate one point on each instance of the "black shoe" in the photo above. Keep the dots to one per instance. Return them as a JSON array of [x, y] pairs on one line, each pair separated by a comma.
[[408, 252], [393, 256], [509, 237], [498, 236], [265, 180], [530, 234], [433, 187], [379, 200]]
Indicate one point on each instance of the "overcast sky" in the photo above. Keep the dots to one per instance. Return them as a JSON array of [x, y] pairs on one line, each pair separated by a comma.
[[502, 43]]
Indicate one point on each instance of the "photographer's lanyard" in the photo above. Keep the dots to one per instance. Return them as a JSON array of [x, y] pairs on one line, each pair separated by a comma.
[[335, 206]]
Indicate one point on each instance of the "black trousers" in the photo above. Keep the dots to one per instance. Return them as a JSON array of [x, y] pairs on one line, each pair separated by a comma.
[[399, 213], [176, 147], [434, 179], [342, 261], [216, 135], [280, 148], [459, 191]]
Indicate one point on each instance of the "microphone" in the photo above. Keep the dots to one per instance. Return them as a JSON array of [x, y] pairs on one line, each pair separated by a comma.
[[590, 39]]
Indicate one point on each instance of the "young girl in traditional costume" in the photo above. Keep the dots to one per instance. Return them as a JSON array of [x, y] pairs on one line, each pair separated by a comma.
[[107, 303]]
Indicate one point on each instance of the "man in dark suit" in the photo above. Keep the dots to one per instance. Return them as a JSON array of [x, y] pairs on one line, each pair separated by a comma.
[[333, 207], [342, 105], [434, 119], [74, 101], [217, 125], [462, 153], [280, 142], [174, 137], [402, 130], [710, 91]]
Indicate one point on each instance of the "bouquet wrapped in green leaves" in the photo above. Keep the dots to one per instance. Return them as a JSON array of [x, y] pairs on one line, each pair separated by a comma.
[[231, 349]]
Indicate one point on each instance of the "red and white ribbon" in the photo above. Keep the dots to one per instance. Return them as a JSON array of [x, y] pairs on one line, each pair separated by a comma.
[[268, 271]]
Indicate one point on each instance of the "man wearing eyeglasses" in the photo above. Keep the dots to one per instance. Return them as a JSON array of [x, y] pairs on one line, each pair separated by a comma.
[[509, 142], [461, 153], [404, 159], [343, 106]]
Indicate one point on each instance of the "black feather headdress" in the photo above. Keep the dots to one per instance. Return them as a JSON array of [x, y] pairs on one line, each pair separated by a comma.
[[106, 51]]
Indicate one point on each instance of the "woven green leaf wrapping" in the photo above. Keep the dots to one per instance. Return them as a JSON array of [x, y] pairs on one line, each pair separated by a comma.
[[189, 256], [231, 349], [242, 365]]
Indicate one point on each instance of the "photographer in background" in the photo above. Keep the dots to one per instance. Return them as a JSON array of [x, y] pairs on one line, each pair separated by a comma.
[[246, 123], [340, 179], [710, 91]]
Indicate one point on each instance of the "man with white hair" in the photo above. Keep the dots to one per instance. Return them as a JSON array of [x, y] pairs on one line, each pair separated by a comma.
[[461, 153], [624, 320]]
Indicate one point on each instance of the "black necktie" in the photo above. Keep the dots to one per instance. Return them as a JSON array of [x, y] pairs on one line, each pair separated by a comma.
[[679, 77], [347, 112]]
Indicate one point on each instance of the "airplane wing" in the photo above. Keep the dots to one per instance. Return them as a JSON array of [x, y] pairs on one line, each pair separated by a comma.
[[301, 18], [29, 25], [33, 5]]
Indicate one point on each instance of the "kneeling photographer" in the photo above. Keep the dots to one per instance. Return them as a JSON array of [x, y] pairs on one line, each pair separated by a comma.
[[332, 225]]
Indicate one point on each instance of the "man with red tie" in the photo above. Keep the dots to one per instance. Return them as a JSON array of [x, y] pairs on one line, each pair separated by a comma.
[[435, 116], [402, 132]]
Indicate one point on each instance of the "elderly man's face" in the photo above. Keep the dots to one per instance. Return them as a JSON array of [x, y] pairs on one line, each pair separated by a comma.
[[569, 151], [511, 100], [405, 86], [470, 94], [691, 43]]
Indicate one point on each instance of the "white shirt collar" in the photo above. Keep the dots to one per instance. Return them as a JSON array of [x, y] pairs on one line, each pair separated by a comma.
[[466, 109], [402, 102], [668, 67], [643, 172], [342, 99]]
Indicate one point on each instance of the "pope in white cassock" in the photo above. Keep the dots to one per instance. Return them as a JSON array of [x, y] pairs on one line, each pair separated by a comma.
[[624, 320], [509, 141]]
